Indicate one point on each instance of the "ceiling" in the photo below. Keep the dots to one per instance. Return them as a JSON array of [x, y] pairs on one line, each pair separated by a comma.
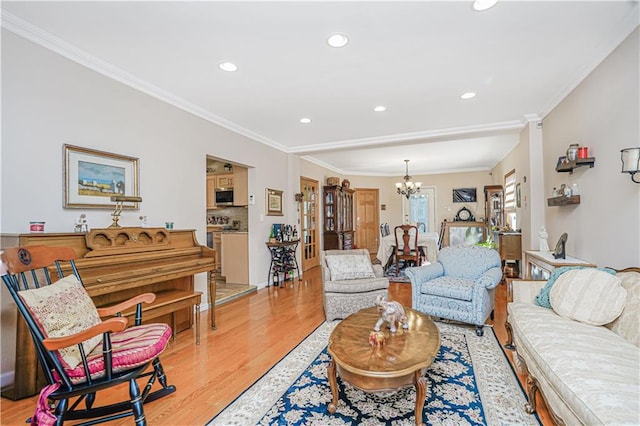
[[415, 58]]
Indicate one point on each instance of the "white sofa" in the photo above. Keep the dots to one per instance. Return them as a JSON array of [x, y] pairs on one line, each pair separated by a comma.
[[587, 374]]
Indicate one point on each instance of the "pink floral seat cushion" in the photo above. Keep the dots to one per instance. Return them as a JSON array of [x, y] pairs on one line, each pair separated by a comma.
[[131, 348]]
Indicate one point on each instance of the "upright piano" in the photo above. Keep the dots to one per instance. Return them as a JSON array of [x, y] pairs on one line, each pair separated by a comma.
[[116, 264]]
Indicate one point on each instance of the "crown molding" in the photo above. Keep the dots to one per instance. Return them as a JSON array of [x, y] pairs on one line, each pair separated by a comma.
[[47, 40], [466, 131]]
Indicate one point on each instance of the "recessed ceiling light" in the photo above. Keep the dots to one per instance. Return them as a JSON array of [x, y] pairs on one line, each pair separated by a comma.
[[468, 95], [481, 5], [380, 108], [305, 120], [228, 66], [338, 40]]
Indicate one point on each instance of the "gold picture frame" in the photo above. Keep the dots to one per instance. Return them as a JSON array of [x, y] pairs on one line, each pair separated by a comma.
[[92, 177], [274, 202]]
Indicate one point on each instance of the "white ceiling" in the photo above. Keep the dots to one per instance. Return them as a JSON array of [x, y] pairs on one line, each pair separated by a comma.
[[415, 58]]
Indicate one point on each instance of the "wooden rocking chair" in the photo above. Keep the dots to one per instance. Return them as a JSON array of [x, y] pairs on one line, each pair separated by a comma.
[[79, 352]]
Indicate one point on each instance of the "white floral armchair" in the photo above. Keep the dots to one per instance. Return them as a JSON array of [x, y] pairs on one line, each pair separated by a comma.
[[350, 282], [460, 286]]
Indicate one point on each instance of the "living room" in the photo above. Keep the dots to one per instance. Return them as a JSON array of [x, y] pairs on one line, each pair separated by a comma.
[[50, 100]]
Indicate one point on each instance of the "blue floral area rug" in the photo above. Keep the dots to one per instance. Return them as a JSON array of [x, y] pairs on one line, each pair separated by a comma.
[[469, 383], [399, 278]]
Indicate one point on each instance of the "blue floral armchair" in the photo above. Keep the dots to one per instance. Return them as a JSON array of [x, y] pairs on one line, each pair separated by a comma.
[[460, 286]]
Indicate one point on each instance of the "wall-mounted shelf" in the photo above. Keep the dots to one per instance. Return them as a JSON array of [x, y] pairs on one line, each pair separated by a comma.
[[563, 200], [568, 167]]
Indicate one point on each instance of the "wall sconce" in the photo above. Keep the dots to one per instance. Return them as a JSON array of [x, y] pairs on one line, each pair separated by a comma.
[[120, 200], [631, 162], [299, 197]]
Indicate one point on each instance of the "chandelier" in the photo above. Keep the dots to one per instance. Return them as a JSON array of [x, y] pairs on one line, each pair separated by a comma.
[[408, 188]]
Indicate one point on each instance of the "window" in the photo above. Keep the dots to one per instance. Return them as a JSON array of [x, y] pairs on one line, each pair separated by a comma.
[[420, 208], [510, 215]]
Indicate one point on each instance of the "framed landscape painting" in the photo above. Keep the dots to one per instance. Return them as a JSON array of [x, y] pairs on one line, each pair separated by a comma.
[[92, 177], [274, 202]]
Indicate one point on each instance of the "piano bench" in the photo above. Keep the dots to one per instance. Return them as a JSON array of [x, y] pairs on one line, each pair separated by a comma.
[[169, 302]]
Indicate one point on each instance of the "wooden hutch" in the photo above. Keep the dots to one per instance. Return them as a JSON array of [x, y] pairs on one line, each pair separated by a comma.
[[338, 218]]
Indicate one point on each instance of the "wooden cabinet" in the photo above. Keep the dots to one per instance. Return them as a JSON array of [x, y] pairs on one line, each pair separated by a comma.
[[509, 245], [240, 182], [224, 181], [234, 257], [494, 205], [217, 246], [338, 218], [211, 191]]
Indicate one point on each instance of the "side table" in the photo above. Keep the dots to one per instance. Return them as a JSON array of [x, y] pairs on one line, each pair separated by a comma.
[[283, 261], [539, 265]]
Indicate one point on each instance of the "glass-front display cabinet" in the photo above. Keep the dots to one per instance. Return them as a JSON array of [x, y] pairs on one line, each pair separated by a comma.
[[338, 218], [494, 205]]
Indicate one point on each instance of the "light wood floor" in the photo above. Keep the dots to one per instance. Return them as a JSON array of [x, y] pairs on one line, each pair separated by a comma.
[[254, 332]]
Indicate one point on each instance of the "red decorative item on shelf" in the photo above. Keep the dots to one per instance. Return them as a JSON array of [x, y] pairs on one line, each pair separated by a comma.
[[583, 152]]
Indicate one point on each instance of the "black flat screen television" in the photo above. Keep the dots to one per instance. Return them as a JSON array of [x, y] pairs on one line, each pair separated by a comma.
[[464, 195]]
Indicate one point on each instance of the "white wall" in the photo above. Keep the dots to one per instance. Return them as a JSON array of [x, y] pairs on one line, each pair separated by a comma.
[[602, 113], [48, 101]]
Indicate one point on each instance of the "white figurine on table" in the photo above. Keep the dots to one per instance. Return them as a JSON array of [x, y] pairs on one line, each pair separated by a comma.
[[81, 224], [543, 235]]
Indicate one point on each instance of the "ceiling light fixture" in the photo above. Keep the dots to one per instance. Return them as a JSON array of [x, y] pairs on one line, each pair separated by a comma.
[[380, 108], [338, 40], [305, 120], [408, 188], [481, 5], [228, 66], [468, 95]]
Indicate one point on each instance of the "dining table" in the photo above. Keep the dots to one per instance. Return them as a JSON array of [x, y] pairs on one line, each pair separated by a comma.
[[427, 240]]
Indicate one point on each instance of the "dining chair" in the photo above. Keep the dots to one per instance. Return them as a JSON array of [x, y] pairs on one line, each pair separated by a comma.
[[405, 251]]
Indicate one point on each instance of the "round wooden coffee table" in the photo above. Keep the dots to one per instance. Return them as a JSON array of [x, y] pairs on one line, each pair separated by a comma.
[[400, 362]]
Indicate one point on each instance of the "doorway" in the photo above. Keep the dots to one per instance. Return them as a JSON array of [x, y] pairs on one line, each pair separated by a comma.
[[309, 223], [367, 219]]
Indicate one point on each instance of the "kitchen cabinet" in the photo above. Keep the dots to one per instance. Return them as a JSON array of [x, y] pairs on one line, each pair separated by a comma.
[[217, 246], [235, 257], [227, 181], [240, 186], [211, 191], [224, 181]]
